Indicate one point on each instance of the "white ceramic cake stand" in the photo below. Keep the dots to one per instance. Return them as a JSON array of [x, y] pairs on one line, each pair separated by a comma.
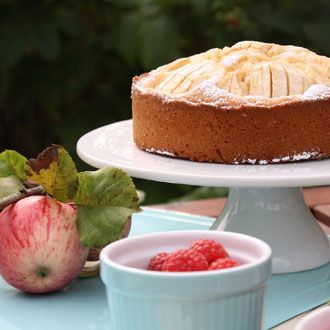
[[264, 200]]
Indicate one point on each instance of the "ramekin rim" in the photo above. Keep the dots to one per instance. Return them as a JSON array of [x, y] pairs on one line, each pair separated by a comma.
[[264, 247]]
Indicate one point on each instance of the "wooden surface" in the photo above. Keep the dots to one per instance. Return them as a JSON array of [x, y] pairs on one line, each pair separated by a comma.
[[318, 199]]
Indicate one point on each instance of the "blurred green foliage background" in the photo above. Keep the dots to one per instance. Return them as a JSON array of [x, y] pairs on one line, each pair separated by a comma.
[[66, 66]]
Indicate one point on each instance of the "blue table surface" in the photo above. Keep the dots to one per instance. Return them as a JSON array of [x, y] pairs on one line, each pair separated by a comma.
[[82, 305]]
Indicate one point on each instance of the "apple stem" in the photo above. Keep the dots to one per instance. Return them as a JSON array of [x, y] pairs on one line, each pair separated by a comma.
[[91, 269], [38, 190]]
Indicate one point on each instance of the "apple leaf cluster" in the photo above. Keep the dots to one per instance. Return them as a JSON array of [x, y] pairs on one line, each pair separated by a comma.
[[55, 171], [10, 185], [12, 163], [105, 199]]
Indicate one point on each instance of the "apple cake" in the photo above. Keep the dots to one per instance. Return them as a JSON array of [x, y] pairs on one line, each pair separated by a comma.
[[252, 103]]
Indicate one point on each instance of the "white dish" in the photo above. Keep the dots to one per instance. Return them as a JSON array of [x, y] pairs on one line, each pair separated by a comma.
[[319, 319], [140, 299], [113, 145]]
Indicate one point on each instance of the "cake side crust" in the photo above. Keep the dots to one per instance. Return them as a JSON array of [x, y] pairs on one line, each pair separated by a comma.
[[245, 134]]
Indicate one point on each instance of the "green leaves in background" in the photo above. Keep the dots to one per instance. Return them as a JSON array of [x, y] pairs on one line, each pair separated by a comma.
[[61, 61], [142, 37], [157, 35], [55, 171], [203, 193], [12, 163]]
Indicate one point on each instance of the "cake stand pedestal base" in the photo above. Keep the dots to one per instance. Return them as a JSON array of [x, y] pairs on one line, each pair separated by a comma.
[[280, 217]]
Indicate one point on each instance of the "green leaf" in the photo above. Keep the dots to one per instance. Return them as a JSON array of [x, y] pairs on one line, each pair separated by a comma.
[[314, 30], [159, 41], [126, 3], [101, 226], [203, 193], [106, 187], [13, 41], [12, 163], [10, 185], [126, 42], [200, 6], [55, 171], [46, 41], [67, 22]]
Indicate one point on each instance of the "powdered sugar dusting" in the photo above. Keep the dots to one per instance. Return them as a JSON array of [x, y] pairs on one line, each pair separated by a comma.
[[317, 91], [305, 155], [208, 93], [231, 60], [160, 152], [208, 90]]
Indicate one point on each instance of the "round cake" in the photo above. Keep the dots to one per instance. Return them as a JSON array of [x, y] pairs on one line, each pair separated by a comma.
[[252, 103]]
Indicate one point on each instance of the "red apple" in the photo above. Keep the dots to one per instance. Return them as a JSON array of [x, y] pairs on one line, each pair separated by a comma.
[[40, 250]]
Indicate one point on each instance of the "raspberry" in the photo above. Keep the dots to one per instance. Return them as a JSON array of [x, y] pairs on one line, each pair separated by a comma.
[[185, 260], [223, 263], [156, 263], [210, 249]]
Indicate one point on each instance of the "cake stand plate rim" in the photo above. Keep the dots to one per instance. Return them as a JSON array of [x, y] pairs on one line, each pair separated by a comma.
[[113, 145]]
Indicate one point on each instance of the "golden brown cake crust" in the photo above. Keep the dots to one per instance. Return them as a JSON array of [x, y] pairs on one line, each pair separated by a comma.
[[298, 131], [219, 127]]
